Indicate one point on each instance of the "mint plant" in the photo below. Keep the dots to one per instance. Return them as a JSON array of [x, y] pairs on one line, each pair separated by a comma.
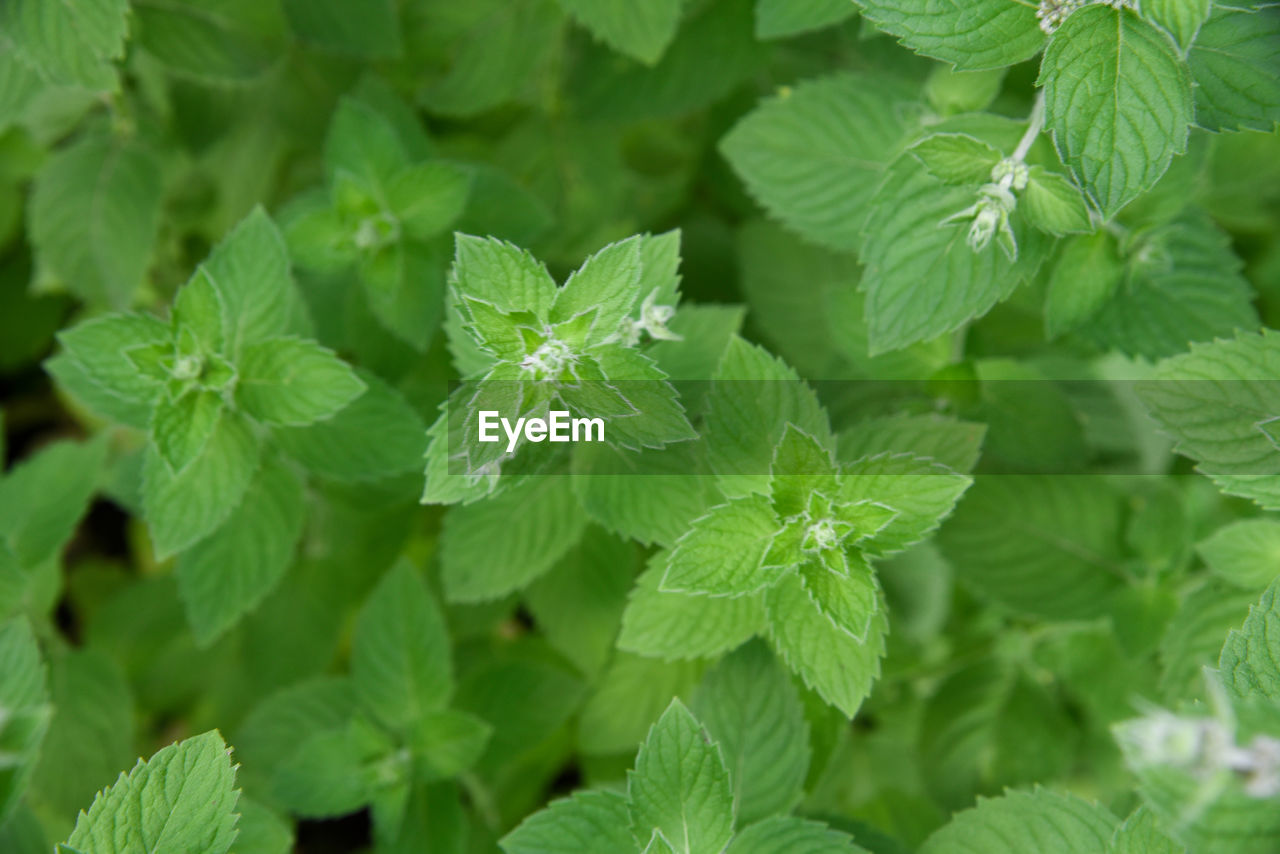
[[714, 427]]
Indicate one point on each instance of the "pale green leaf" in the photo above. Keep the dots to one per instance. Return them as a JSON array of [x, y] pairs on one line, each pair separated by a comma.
[[680, 789], [1235, 62], [181, 799], [1085, 277], [1245, 552], [429, 197], [722, 552], [70, 45], [400, 662], [606, 283], [791, 834], [503, 275], [24, 696], [954, 443], [489, 549], [956, 158], [93, 218], [829, 661], [751, 708], [1250, 662], [1182, 18], [1040, 820], [812, 156], [43, 497], [181, 428], [293, 382], [1118, 101], [98, 348], [640, 30], [970, 34], [922, 493], [628, 698], [1053, 204], [227, 575], [777, 19], [1141, 834], [584, 823]]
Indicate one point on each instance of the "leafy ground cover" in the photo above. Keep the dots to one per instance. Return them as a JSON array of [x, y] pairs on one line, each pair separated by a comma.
[[933, 504]]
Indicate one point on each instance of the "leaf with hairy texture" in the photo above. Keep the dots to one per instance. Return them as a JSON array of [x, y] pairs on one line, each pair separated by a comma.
[[1040, 820], [684, 626], [1235, 63], [970, 34]]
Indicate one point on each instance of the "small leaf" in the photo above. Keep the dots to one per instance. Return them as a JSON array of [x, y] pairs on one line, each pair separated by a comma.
[[971, 34], [1053, 204], [429, 197], [1245, 552], [680, 791], [293, 382], [584, 823], [1040, 821], [640, 30], [1182, 18], [956, 158], [722, 552], [180, 428], [1087, 274], [1250, 662]]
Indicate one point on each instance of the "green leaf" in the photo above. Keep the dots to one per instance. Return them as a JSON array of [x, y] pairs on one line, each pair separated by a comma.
[[489, 549], [788, 833], [777, 19], [579, 603], [212, 41], [334, 771], [369, 31], [1235, 63], [90, 736], [1245, 552], [584, 823], [228, 574], [1045, 545], [813, 155], [403, 284], [261, 831], [427, 198], [680, 790], [1182, 18], [951, 92], [400, 656], [293, 382], [970, 34], [94, 215], [449, 742], [1118, 101], [1085, 277], [1141, 834], [639, 30], [1193, 637], [1053, 204], [752, 710], [1214, 402], [1184, 285], [363, 145], [988, 726], [186, 507], [1040, 820], [250, 269], [278, 726], [181, 428], [629, 697], [850, 601], [43, 497], [722, 553], [181, 799], [505, 276], [829, 661], [956, 158], [608, 283], [922, 493], [66, 45], [954, 443], [921, 278], [25, 698], [678, 625], [339, 448], [1250, 662], [98, 349]]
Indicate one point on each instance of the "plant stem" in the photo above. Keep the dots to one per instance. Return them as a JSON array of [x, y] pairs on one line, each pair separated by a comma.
[[1034, 126]]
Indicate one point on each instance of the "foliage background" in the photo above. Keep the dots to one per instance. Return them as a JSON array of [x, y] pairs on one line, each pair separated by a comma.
[[134, 138]]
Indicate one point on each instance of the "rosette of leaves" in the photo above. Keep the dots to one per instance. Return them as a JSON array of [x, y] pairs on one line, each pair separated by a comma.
[[530, 346], [384, 216]]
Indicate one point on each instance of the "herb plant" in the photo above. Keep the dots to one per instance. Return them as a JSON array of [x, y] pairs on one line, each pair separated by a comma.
[[932, 505]]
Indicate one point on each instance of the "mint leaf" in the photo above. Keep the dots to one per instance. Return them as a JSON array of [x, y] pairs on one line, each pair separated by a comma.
[[237, 45], [723, 552], [400, 663], [629, 697], [829, 660], [1040, 820], [68, 46], [25, 698], [1053, 204], [1181, 18], [99, 349], [43, 497], [1234, 62], [1245, 552], [781, 18], [228, 574], [752, 710], [182, 798], [970, 34], [181, 428], [1249, 663], [641, 31], [371, 31], [579, 824], [956, 158], [812, 155], [1086, 275], [1118, 101], [293, 382], [679, 792], [96, 206], [787, 833], [678, 625], [428, 197], [921, 493], [1141, 834]]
